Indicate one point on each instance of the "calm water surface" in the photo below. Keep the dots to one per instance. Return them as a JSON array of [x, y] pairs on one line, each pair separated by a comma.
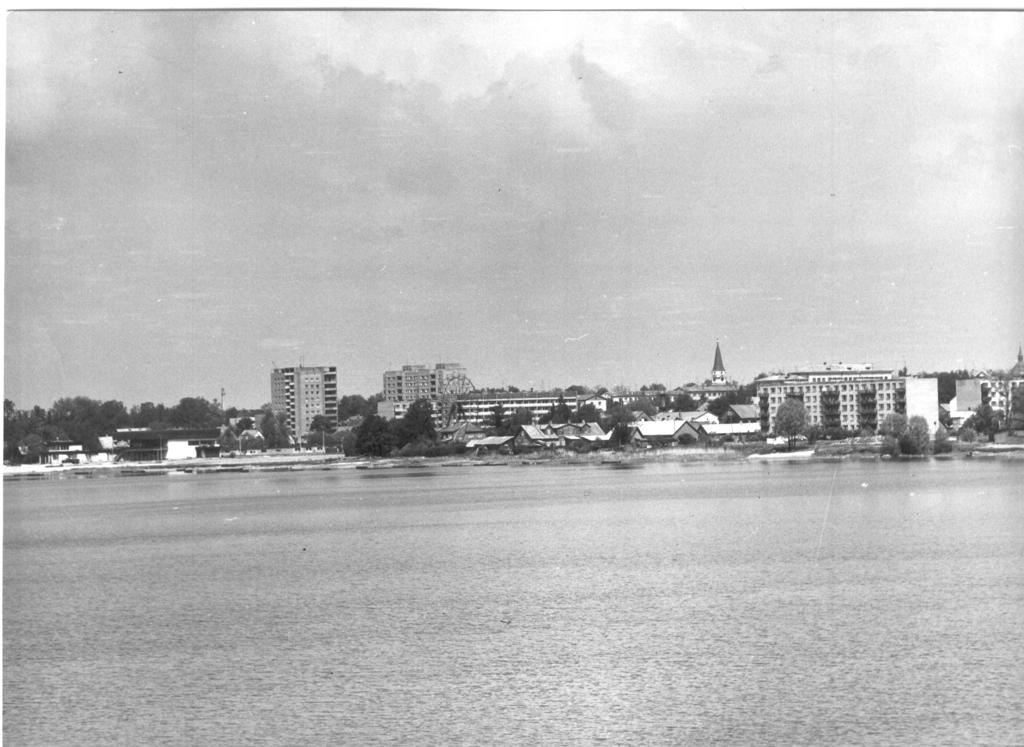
[[852, 603]]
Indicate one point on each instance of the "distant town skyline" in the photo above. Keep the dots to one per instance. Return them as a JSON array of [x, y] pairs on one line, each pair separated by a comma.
[[548, 198]]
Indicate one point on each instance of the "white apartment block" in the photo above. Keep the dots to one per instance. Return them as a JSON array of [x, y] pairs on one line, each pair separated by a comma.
[[478, 409], [853, 396], [418, 381], [302, 393]]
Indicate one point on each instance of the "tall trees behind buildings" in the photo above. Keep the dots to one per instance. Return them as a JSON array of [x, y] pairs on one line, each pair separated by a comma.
[[83, 420]]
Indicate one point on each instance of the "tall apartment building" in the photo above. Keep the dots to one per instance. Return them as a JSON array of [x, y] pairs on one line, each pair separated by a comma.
[[302, 393], [420, 382], [854, 396]]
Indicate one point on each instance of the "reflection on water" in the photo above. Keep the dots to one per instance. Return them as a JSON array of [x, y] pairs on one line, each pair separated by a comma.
[[770, 603]]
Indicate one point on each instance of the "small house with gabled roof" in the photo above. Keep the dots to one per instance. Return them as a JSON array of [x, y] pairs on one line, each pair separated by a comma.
[[533, 437]]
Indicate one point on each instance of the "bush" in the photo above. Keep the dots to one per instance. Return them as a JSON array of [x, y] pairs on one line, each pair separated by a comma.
[[942, 443], [890, 446], [917, 438], [968, 435], [907, 445]]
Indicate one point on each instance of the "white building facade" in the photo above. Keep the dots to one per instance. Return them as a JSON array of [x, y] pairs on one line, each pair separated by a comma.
[[852, 396], [303, 392], [417, 381]]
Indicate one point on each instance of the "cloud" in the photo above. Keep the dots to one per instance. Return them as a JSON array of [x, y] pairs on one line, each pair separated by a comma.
[[497, 166]]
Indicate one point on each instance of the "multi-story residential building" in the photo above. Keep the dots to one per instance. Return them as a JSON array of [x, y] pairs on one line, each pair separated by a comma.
[[853, 396], [479, 407], [415, 382], [302, 393]]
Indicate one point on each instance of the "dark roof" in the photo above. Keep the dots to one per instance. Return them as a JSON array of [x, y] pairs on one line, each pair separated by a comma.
[[147, 434], [719, 366], [746, 412]]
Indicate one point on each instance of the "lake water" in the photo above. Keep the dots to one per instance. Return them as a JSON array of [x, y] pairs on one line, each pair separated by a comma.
[[815, 603]]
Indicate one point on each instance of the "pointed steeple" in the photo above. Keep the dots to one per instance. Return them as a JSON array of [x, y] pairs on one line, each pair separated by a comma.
[[718, 369], [1017, 372]]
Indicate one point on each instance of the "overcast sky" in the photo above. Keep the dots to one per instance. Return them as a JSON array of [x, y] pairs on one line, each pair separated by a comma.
[[546, 198]]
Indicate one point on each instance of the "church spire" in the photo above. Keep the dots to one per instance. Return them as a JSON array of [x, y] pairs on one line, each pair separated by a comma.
[[718, 369]]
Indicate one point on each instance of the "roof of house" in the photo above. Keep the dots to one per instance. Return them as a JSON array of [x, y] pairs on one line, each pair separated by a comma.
[[699, 416], [490, 441], [746, 412], [534, 433], [659, 428]]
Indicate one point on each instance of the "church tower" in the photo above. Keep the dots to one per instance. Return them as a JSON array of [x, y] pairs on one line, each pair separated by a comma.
[[1017, 372], [718, 369]]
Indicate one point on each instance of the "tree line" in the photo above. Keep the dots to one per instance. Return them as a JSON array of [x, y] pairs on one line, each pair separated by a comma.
[[83, 420]]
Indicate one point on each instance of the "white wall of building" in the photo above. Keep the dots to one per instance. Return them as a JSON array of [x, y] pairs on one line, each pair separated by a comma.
[[923, 400]]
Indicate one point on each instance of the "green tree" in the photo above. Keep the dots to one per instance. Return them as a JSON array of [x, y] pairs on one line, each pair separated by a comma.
[[790, 419], [520, 417], [894, 424], [149, 415], [1015, 417], [560, 411], [321, 424], [32, 447], [247, 441], [684, 403], [616, 415], [916, 439], [82, 420], [195, 412], [588, 414], [229, 440], [375, 437], [984, 421], [497, 417], [942, 444], [319, 428], [620, 434], [275, 430], [417, 425], [719, 406], [353, 405]]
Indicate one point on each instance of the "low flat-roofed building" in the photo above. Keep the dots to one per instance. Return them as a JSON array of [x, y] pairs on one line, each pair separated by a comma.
[[148, 445]]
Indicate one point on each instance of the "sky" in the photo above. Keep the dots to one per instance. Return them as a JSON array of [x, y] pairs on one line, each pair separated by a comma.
[[548, 198]]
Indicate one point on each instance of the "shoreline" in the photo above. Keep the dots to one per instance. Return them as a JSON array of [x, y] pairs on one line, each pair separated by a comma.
[[623, 459]]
